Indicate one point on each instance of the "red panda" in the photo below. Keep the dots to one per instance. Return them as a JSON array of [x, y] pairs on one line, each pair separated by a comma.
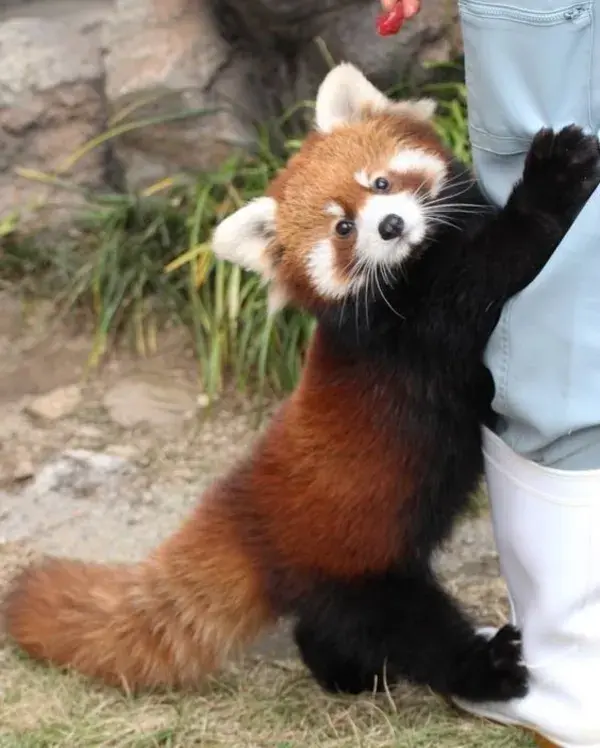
[[332, 518]]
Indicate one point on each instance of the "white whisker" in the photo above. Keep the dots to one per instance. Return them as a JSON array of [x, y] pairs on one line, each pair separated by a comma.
[[466, 188], [448, 204], [459, 180], [467, 207], [383, 296], [366, 297], [445, 222]]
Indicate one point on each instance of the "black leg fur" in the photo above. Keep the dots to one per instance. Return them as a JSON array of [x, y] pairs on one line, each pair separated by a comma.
[[403, 625], [357, 638]]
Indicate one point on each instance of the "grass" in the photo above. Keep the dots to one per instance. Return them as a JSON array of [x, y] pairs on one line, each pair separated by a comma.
[[138, 261], [262, 705]]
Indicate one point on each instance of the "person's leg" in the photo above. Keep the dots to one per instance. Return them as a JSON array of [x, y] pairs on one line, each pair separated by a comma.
[[547, 526], [528, 67]]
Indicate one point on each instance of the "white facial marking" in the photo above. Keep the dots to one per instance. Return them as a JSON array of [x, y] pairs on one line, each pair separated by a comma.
[[324, 275], [371, 248], [335, 210], [363, 178], [411, 161]]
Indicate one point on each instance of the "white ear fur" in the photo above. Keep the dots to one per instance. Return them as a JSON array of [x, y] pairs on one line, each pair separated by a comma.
[[243, 237], [343, 94], [346, 92], [277, 299], [422, 109]]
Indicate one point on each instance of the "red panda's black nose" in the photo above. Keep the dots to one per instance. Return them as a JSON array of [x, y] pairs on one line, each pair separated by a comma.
[[391, 227]]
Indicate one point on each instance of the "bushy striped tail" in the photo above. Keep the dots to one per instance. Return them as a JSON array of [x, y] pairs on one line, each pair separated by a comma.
[[165, 622]]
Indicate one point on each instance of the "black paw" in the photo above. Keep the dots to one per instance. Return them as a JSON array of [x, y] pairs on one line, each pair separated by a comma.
[[493, 669], [562, 168]]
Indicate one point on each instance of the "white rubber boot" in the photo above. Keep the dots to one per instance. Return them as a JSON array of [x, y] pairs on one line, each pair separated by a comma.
[[547, 528]]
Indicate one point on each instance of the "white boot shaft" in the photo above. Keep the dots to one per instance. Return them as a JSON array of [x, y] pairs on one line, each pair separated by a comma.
[[547, 527]]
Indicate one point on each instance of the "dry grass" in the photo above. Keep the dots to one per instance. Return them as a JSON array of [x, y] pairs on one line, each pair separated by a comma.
[[259, 705]]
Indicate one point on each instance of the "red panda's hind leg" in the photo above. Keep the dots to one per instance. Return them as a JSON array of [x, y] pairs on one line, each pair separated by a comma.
[[368, 634]]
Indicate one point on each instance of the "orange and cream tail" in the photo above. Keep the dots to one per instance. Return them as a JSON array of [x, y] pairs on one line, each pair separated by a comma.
[[165, 622]]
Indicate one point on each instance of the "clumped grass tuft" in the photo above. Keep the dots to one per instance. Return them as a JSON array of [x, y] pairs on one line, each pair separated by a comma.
[[140, 260]]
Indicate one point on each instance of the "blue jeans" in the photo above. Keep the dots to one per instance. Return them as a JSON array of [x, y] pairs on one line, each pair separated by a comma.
[[530, 64]]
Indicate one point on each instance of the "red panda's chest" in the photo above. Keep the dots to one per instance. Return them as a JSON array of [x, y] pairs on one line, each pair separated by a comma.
[[336, 476]]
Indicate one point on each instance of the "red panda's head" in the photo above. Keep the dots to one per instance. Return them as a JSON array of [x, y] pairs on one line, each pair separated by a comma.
[[350, 204]]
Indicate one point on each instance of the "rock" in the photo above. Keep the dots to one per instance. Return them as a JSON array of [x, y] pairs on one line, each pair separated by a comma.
[[51, 104], [169, 53], [347, 33], [250, 59], [71, 69], [30, 62], [125, 451], [290, 44], [56, 404], [91, 433], [14, 424], [134, 401], [23, 469], [87, 16], [79, 471], [16, 464], [203, 400]]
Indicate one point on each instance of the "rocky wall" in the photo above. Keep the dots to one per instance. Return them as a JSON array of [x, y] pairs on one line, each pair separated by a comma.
[[73, 68]]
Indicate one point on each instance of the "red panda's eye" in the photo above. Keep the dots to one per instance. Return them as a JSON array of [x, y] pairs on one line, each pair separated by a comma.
[[381, 184], [344, 228]]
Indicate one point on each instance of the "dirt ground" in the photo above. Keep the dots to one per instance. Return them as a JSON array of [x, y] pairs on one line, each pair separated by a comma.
[[104, 465]]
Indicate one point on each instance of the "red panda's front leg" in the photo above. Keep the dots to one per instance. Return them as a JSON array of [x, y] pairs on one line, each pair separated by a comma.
[[506, 254]]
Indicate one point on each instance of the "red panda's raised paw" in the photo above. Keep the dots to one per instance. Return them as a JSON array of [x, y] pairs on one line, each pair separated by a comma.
[[562, 168]]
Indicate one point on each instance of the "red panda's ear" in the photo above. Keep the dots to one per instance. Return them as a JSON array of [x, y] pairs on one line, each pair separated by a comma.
[[422, 109], [277, 298], [346, 96], [243, 237]]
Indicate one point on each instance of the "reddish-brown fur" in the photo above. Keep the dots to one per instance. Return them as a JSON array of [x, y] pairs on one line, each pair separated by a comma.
[[341, 516], [165, 622], [172, 618], [322, 492]]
